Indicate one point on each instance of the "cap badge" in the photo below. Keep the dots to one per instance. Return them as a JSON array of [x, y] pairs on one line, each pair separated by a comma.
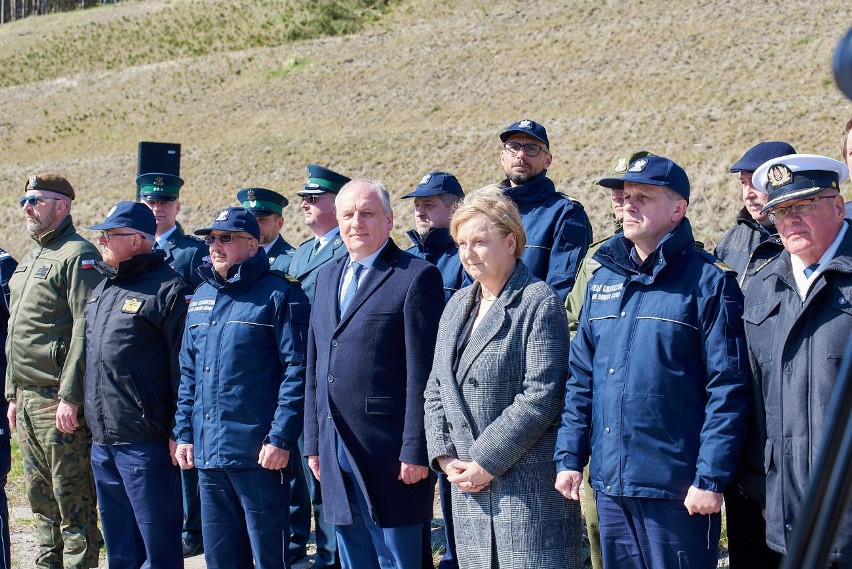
[[158, 181], [779, 175], [525, 124], [223, 215], [424, 180], [32, 182], [638, 166], [622, 164], [112, 211], [251, 196]]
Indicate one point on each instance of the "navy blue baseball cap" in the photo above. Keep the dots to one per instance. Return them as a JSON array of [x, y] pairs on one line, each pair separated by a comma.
[[158, 186], [529, 127], [322, 180], [234, 219], [130, 215], [435, 184], [760, 153], [654, 171], [262, 202]]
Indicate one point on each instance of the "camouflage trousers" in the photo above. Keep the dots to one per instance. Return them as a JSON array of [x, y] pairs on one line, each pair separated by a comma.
[[59, 481]]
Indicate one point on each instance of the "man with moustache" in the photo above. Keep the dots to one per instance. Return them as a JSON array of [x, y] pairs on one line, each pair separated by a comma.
[[753, 240], [798, 323], [658, 390], [557, 227], [370, 346], [317, 203], [747, 247], [267, 207], [45, 352], [240, 402]]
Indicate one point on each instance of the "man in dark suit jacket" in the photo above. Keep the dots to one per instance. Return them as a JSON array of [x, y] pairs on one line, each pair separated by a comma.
[[370, 347]]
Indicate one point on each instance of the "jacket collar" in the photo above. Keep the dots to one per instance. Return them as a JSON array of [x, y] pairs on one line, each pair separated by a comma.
[[64, 229], [745, 218], [494, 318], [536, 190], [436, 241], [132, 267], [382, 268], [782, 269], [240, 275], [615, 253]]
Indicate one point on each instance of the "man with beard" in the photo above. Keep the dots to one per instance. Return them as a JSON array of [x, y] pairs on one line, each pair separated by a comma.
[[45, 352], [557, 227]]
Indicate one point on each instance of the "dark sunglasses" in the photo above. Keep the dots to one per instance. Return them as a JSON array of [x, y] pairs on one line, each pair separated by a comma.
[[33, 201], [223, 239]]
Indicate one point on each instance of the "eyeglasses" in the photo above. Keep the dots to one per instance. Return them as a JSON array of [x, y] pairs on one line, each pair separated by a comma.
[[223, 239], [311, 198], [107, 236], [799, 208], [33, 201], [530, 149]]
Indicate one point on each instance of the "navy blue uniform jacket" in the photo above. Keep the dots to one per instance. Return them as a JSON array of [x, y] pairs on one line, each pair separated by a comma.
[[365, 380], [439, 249], [185, 253]]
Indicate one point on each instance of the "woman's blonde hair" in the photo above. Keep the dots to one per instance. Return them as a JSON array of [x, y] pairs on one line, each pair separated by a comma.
[[493, 204]]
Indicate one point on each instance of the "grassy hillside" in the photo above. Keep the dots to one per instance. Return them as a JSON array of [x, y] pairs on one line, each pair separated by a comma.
[[255, 90]]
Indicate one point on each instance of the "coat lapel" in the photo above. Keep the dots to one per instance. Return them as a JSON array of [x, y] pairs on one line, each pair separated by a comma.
[[323, 256], [381, 270]]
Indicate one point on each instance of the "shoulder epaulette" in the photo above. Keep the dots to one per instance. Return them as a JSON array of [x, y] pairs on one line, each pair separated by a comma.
[[714, 260], [281, 274]]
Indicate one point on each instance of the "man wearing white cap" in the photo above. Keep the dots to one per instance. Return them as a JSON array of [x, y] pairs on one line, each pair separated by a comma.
[[798, 321]]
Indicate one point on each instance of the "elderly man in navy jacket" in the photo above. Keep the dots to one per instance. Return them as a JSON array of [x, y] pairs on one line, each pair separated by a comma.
[[557, 227], [370, 347], [241, 393], [658, 382]]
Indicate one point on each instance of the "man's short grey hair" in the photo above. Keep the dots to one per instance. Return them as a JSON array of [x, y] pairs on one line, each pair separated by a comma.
[[378, 187]]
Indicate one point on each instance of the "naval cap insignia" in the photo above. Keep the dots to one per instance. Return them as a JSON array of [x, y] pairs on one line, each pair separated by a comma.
[[638, 166], [779, 175]]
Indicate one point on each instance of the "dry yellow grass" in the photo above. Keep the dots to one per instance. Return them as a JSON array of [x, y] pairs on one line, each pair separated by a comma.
[[429, 86]]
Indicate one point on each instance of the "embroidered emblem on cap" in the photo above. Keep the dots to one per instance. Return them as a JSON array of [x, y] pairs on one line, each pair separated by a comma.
[[638, 166], [32, 182], [424, 180], [131, 305], [621, 164], [779, 175], [251, 196], [223, 215], [158, 181], [112, 211], [525, 124]]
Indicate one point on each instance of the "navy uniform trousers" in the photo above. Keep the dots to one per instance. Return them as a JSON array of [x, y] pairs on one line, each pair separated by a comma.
[[649, 533]]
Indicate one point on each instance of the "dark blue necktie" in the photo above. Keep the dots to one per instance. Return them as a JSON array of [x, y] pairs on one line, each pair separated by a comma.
[[350, 291]]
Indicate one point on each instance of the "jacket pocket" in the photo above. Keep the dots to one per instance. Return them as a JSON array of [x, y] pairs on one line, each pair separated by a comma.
[[384, 406]]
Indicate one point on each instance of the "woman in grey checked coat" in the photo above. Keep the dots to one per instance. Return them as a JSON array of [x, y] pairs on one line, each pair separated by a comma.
[[494, 398]]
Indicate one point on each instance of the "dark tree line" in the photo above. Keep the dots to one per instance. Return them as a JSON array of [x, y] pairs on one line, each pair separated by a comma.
[[11, 10]]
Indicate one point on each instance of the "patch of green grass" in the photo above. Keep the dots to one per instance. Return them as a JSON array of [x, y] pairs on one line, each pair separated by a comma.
[[156, 32], [293, 65]]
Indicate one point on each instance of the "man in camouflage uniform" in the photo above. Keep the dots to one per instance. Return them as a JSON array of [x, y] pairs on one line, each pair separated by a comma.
[[44, 377]]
